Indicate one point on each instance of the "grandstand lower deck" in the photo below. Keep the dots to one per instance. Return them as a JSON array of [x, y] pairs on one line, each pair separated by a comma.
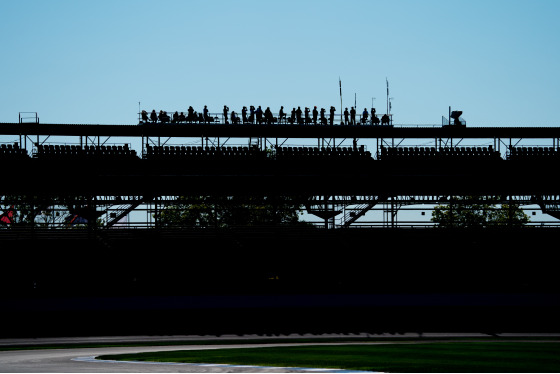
[[278, 281], [281, 259]]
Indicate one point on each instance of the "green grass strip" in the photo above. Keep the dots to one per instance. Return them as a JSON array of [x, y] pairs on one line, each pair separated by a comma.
[[498, 357]]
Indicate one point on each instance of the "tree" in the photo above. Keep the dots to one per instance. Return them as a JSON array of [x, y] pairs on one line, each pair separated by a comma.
[[471, 212], [26, 210], [47, 211], [230, 211]]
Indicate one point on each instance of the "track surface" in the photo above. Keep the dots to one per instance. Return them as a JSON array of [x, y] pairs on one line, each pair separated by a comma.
[[78, 360]]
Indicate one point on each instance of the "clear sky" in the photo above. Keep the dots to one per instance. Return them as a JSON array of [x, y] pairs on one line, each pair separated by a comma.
[[84, 61]]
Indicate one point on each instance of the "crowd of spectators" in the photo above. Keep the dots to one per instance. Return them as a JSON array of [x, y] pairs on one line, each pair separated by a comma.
[[256, 115]]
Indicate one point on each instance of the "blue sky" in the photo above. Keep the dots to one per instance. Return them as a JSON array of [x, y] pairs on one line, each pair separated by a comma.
[[93, 61]]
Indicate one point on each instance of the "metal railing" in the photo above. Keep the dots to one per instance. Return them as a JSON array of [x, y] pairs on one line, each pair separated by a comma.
[[28, 117]]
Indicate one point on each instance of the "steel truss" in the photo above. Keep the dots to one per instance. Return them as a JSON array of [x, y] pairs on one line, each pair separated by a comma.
[[334, 211]]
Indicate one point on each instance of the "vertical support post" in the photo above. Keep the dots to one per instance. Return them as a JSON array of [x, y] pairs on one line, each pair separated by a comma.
[[156, 220], [326, 218]]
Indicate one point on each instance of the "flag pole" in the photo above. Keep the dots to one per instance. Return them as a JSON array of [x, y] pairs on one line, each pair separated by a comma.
[[340, 86], [386, 80]]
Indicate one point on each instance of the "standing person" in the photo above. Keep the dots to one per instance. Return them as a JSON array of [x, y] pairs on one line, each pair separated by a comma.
[[315, 113], [372, 116], [268, 116], [323, 119], [205, 116], [298, 115], [306, 115], [364, 116], [352, 116], [259, 114], [190, 114], [281, 115], [293, 117], [346, 116], [331, 118], [226, 109], [252, 114], [244, 114]]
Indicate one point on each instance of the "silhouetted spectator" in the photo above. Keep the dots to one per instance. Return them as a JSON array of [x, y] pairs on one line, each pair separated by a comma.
[[244, 114], [281, 115], [346, 116], [259, 114], [225, 114], [315, 113], [205, 116], [293, 117], [144, 116], [190, 114], [352, 116], [323, 119], [385, 120], [175, 117], [252, 114], [307, 120], [373, 117], [268, 116], [234, 118], [163, 117], [364, 116], [182, 117], [298, 115], [153, 116], [331, 117]]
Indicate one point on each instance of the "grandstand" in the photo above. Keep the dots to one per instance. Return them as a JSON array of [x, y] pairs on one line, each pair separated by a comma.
[[138, 275]]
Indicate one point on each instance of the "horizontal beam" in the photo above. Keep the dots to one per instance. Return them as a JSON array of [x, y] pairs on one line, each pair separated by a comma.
[[277, 131]]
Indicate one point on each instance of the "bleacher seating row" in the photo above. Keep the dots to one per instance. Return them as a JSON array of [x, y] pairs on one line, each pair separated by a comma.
[[533, 153], [432, 153], [323, 152], [12, 152], [50, 151], [190, 152]]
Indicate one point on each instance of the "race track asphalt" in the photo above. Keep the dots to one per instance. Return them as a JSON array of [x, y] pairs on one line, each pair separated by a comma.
[[79, 360]]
